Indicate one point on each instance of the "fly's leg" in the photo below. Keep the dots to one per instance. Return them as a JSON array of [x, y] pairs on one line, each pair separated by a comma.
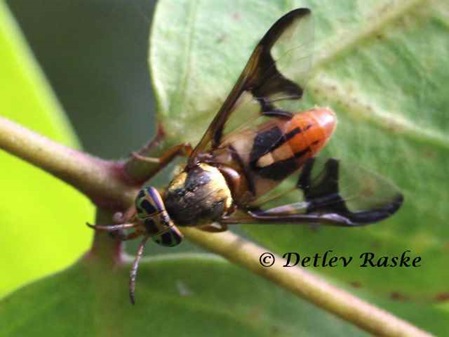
[[157, 164], [160, 135], [184, 149], [122, 221], [133, 274], [115, 231], [111, 228]]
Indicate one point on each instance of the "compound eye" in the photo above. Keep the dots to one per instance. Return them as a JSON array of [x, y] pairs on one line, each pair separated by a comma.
[[148, 203], [171, 238]]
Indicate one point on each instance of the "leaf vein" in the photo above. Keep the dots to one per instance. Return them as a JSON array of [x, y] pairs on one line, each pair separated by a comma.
[[332, 90], [343, 44]]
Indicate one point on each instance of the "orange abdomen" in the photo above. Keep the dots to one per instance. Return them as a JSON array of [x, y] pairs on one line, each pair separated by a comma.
[[280, 148], [265, 155], [310, 131]]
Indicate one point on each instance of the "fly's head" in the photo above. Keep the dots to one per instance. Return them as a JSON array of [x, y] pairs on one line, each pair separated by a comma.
[[151, 212]]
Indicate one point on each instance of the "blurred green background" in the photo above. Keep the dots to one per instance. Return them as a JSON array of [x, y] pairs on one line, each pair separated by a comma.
[[94, 54]]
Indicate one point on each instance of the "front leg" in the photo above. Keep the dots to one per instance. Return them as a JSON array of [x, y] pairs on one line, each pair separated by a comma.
[[184, 150]]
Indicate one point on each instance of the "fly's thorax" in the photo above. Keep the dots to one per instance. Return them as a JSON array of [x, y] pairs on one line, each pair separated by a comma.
[[197, 196]]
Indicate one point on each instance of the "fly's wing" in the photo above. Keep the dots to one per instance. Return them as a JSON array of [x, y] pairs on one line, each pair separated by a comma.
[[325, 192], [275, 72]]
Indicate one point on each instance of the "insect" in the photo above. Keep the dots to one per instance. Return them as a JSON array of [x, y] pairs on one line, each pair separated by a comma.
[[243, 172]]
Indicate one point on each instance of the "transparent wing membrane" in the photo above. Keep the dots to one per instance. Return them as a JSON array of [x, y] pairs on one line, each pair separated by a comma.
[[275, 72], [329, 192]]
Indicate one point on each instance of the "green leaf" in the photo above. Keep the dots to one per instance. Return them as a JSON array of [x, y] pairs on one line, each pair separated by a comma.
[[382, 67], [176, 296], [190, 295], [187, 295], [41, 217]]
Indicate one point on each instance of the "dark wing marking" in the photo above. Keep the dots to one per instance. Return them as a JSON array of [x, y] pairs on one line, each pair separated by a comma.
[[323, 196], [367, 199], [263, 76]]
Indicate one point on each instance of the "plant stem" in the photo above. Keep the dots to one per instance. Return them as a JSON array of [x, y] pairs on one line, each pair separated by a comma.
[[102, 181], [107, 184], [304, 285]]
